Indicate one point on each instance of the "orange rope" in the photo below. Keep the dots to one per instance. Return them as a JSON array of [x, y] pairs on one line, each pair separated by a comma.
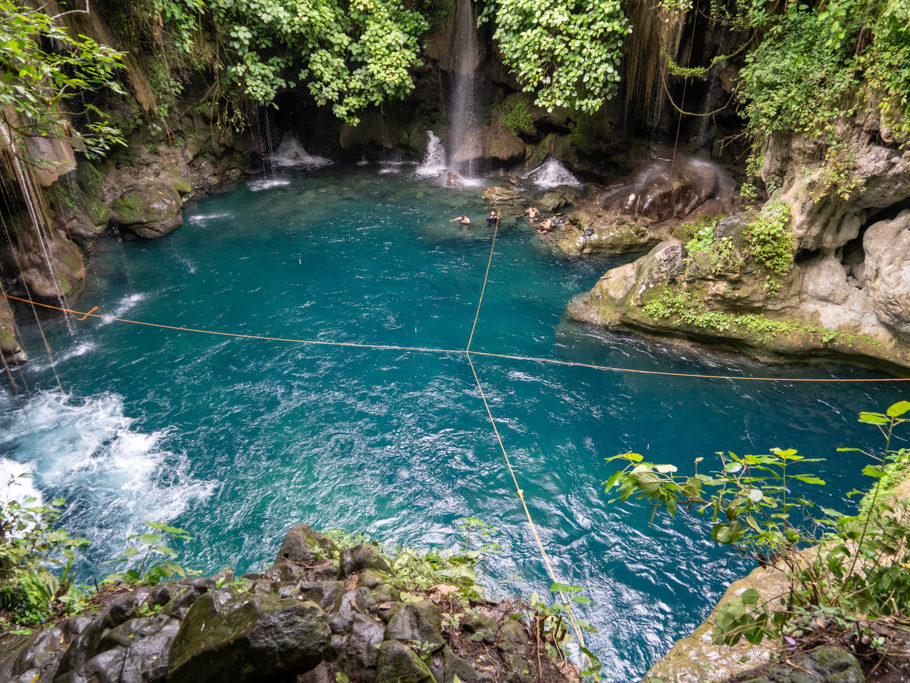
[[82, 315]]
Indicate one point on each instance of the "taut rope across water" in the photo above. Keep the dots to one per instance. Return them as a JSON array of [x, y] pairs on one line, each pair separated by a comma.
[[468, 354]]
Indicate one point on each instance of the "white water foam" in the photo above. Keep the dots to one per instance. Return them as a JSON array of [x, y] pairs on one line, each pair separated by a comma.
[[267, 184], [126, 303], [16, 482], [552, 173], [90, 452], [74, 352], [206, 217], [434, 159], [291, 154]]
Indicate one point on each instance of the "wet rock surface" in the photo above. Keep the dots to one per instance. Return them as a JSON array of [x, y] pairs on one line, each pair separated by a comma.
[[320, 614]]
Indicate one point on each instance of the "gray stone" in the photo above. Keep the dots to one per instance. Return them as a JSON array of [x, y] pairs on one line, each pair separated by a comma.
[[362, 557], [398, 664], [419, 622], [148, 210], [887, 271], [302, 544], [479, 623], [456, 666], [231, 637], [326, 594], [366, 635], [513, 638], [499, 195]]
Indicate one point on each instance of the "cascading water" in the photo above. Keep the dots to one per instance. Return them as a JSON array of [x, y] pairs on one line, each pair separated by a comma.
[[462, 145], [434, 159], [552, 173]]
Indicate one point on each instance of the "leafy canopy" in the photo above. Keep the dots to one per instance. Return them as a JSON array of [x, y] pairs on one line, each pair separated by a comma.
[[44, 69], [566, 51], [350, 55]]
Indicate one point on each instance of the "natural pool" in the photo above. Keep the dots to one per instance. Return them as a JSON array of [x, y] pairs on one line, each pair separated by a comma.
[[237, 439]]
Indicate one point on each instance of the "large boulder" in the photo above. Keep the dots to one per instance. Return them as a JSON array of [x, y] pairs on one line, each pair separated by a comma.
[[49, 264], [591, 231], [302, 544], [832, 194], [149, 211], [242, 637], [887, 271]]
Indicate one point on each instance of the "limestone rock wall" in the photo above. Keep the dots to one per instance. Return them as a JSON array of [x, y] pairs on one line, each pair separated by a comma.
[[321, 614]]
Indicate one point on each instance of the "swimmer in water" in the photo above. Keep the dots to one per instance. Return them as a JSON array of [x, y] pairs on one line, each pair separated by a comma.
[[463, 220], [532, 213], [493, 218], [546, 226]]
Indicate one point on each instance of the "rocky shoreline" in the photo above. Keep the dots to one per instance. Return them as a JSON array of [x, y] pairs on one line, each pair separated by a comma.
[[321, 613]]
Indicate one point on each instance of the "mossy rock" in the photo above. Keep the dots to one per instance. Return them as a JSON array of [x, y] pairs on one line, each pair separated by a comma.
[[228, 636], [399, 664], [148, 211]]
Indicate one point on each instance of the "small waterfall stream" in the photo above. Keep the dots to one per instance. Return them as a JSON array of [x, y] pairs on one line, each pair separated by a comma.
[[434, 159], [463, 105]]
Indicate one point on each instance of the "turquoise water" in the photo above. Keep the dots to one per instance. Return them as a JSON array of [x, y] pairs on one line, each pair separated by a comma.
[[238, 439]]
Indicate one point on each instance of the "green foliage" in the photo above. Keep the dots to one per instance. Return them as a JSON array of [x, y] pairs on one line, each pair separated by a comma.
[[30, 546], [857, 567], [683, 308], [771, 242], [567, 53], [154, 556], [349, 55], [516, 115], [715, 255], [45, 71]]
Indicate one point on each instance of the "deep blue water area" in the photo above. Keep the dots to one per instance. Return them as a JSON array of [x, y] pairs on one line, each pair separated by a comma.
[[237, 439]]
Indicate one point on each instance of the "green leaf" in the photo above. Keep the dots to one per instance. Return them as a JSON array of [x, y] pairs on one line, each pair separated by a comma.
[[750, 596], [873, 471], [873, 418], [609, 483], [898, 409], [563, 588]]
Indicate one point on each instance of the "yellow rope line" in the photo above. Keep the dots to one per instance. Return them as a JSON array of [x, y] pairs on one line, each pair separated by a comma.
[[521, 497], [238, 335], [486, 275], [426, 349]]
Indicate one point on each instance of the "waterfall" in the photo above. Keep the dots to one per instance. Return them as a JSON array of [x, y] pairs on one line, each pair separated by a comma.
[[291, 154], [551, 173], [462, 146], [434, 160]]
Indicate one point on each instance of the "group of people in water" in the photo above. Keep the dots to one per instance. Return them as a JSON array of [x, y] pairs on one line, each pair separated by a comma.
[[546, 225]]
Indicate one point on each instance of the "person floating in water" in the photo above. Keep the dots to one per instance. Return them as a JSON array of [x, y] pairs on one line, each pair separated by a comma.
[[546, 226], [463, 220], [493, 218], [452, 180], [532, 213]]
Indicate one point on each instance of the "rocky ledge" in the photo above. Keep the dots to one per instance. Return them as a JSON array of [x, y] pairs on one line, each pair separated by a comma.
[[726, 289], [321, 613]]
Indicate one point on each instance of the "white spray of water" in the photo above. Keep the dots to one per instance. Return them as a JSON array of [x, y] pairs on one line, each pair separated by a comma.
[[552, 173], [91, 453], [126, 304], [16, 482], [434, 159], [267, 184], [291, 154]]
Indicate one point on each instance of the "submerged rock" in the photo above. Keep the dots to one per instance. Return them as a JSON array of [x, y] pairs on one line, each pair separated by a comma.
[[500, 195]]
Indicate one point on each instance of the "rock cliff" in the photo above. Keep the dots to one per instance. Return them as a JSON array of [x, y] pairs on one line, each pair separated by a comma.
[[322, 613]]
